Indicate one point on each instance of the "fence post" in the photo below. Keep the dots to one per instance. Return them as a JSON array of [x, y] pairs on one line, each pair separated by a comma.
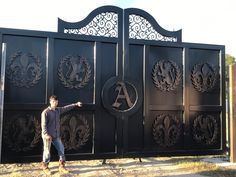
[[232, 93], [2, 85]]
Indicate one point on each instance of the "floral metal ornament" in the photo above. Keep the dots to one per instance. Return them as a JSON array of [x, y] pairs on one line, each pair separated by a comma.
[[74, 71], [140, 28], [22, 133], [104, 24], [166, 130], [24, 69], [204, 77], [166, 75], [75, 131], [205, 129]]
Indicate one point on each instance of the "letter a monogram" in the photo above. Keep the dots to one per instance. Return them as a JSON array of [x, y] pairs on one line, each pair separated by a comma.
[[122, 94]]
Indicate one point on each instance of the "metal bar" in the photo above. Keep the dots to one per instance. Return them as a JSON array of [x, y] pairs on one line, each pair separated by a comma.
[[186, 96], [49, 68], [205, 108], [2, 84], [166, 107]]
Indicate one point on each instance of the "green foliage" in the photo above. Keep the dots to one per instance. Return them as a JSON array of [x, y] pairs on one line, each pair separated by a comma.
[[229, 60]]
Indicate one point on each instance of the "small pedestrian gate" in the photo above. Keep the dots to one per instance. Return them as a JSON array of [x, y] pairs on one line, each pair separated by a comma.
[[144, 91]]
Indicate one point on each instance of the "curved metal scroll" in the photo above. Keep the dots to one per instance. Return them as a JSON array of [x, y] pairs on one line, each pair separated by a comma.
[[105, 21], [141, 25]]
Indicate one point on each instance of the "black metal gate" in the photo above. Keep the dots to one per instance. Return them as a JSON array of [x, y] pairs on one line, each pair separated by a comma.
[[144, 91]]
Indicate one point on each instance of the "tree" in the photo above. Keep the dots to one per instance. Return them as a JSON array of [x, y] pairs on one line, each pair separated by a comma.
[[229, 60]]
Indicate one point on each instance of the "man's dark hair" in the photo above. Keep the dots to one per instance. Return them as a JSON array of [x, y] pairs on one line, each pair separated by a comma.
[[53, 97]]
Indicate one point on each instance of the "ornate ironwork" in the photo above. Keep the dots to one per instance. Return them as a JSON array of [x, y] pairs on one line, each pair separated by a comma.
[[121, 97], [74, 71], [124, 89], [104, 24], [140, 28], [204, 77], [24, 70], [22, 132], [166, 130], [75, 131], [166, 75], [205, 129]]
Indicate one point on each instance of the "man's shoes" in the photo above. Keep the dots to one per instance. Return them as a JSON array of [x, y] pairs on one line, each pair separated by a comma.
[[62, 168], [46, 169]]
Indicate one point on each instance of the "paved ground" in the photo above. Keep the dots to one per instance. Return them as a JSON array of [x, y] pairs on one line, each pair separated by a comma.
[[149, 167]]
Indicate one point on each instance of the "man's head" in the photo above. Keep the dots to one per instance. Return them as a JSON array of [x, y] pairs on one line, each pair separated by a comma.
[[53, 101]]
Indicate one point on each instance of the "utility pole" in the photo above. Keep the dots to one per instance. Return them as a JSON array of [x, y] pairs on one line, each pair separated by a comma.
[[232, 93]]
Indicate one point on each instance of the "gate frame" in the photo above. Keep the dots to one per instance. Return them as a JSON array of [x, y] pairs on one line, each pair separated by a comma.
[[123, 41]]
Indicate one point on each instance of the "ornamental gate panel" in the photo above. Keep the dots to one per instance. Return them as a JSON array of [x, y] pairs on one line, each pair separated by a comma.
[[144, 91]]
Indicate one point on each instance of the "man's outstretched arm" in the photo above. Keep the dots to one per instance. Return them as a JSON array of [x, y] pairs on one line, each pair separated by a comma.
[[69, 107]]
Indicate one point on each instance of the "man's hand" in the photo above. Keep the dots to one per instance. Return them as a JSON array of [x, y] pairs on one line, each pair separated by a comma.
[[79, 104], [48, 137]]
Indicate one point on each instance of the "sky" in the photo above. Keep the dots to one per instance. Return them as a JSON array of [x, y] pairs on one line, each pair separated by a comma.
[[201, 21]]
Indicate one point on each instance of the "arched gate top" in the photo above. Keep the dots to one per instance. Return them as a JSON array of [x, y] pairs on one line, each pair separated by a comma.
[[143, 26], [107, 21]]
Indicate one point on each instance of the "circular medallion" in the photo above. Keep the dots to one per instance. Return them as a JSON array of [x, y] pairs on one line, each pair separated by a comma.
[[166, 130], [75, 131], [22, 132], [204, 77], [205, 129], [24, 70], [166, 75], [121, 97], [74, 72]]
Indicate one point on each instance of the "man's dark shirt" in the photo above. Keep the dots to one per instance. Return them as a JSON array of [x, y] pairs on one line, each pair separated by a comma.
[[50, 120]]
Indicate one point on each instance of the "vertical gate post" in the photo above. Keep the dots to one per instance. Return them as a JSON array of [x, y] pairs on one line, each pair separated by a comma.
[[232, 93], [2, 84]]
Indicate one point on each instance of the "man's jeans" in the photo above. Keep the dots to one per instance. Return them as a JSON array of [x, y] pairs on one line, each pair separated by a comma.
[[46, 149]]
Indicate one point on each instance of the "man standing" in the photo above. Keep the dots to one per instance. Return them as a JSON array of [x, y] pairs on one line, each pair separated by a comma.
[[50, 124]]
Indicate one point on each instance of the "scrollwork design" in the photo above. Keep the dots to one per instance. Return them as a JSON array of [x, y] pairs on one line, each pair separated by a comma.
[[104, 24], [75, 131], [166, 75], [205, 129], [22, 133], [204, 77], [166, 130], [24, 70], [140, 28], [74, 71]]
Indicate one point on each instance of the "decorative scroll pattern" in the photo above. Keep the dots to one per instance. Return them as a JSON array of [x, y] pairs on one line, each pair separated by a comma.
[[140, 28], [166, 75], [75, 131], [74, 71], [204, 77], [24, 70], [104, 24], [205, 129], [22, 133], [166, 130]]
